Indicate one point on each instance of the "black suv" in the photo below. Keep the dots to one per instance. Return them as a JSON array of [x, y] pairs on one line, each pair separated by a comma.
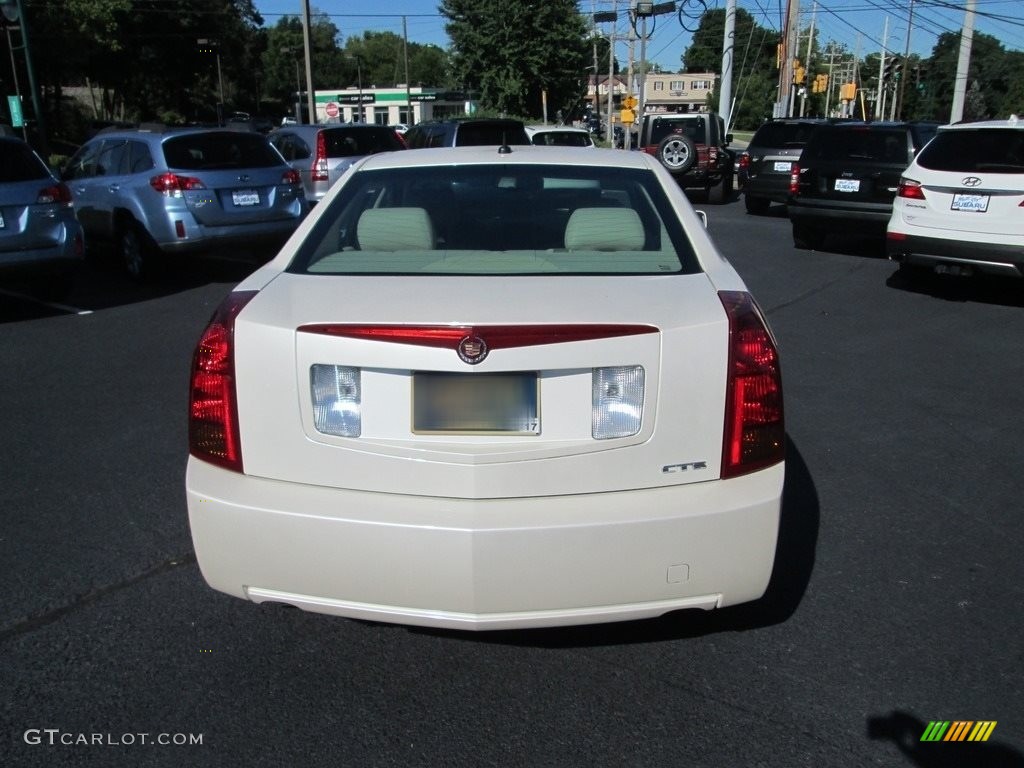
[[847, 178], [466, 132], [693, 147], [764, 167]]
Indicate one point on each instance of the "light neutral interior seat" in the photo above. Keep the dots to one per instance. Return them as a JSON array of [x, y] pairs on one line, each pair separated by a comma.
[[395, 229], [604, 229]]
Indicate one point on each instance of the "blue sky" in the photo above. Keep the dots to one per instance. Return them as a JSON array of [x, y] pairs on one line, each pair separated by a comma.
[[857, 24]]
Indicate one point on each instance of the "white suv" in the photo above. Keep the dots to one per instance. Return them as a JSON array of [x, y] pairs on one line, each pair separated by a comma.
[[960, 204]]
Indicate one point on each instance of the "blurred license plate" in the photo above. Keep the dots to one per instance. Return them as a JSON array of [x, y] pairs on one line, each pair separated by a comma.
[[783, 167], [847, 185], [475, 403], [976, 203], [245, 197]]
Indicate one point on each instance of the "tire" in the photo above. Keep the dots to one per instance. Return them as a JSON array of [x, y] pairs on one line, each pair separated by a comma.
[[721, 193], [757, 206], [677, 153], [138, 253], [807, 237]]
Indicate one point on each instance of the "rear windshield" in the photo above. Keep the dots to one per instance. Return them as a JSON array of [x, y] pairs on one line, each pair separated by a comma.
[[690, 127], [864, 144], [498, 219], [989, 151], [784, 135], [19, 163], [220, 150], [562, 139], [356, 142], [490, 134]]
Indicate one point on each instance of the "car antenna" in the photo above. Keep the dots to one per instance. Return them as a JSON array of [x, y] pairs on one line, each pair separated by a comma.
[[504, 149]]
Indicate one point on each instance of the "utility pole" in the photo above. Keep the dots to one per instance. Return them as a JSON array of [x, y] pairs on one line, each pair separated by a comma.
[[906, 55], [310, 98], [728, 46], [807, 61], [408, 91], [963, 64], [880, 98]]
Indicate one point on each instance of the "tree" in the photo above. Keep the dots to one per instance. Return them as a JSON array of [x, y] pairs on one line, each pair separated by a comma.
[[513, 51]]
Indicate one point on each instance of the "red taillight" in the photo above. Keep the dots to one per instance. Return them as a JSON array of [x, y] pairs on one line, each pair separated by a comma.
[[755, 435], [910, 189], [291, 177], [319, 168], [171, 184], [794, 179], [213, 433], [744, 163], [57, 193]]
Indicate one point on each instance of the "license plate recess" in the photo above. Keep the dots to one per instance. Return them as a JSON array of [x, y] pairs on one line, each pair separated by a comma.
[[475, 403]]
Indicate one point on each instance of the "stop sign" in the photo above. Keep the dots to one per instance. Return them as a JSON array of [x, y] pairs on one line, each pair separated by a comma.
[[332, 109]]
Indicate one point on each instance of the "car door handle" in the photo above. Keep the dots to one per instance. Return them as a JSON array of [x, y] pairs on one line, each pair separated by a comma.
[[114, 187]]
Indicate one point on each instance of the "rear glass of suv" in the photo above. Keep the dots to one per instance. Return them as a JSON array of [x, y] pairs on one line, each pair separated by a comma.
[[220, 150], [992, 150], [356, 142], [489, 134], [879, 145], [784, 135], [692, 127], [17, 163]]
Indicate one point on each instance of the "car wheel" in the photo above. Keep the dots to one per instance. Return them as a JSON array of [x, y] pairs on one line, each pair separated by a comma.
[[677, 153], [139, 254], [758, 206], [722, 191], [806, 236]]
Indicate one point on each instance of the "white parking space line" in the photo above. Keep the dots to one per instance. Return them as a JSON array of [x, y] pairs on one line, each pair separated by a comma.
[[50, 304]]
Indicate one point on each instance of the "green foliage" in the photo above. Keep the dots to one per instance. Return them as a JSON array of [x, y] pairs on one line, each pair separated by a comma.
[[512, 51]]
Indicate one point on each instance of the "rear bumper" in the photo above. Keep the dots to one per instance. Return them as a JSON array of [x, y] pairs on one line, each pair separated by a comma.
[[991, 258], [845, 217], [486, 563]]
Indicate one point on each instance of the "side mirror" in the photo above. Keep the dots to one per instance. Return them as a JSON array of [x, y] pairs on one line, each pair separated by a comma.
[[728, 139]]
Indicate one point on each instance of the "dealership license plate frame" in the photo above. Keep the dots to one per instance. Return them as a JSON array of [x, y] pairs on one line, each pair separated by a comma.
[[245, 198], [969, 203], [447, 403]]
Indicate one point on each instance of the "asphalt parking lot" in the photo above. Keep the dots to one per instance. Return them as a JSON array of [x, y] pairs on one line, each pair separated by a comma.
[[894, 603]]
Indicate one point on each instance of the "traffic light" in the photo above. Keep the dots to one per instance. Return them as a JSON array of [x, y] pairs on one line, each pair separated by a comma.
[[799, 75], [820, 84], [892, 69]]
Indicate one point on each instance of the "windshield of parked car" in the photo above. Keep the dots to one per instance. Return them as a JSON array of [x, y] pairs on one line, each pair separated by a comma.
[[220, 150], [498, 220], [993, 150]]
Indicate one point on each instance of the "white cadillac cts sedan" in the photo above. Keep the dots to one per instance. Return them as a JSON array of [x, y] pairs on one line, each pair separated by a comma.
[[490, 388]]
